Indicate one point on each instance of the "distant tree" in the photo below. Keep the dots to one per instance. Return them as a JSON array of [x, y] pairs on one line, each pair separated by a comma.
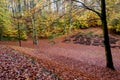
[[4, 19], [35, 39], [2, 11], [19, 16]]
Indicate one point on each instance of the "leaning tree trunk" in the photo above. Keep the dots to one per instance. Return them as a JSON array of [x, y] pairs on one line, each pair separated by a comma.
[[106, 37]]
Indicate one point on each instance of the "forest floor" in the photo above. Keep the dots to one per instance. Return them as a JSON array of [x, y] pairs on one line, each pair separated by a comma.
[[67, 60]]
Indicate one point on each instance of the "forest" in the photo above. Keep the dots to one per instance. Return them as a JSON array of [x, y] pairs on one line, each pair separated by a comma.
[[23, 19], [59, 39]]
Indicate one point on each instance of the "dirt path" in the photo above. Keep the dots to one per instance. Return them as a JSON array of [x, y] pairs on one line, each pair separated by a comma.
[[86, 59]]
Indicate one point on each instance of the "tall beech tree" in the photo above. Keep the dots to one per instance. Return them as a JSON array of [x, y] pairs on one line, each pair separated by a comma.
[[102, 15], [106, 37]]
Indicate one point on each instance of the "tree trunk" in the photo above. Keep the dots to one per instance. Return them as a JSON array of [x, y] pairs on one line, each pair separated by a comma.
[[106, 36], [1, 33], [19, 34], [57, 6], [49, 7], [35, 39], [70, 17]]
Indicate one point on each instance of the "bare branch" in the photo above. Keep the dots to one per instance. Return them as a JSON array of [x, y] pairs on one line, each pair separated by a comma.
[[88, 8]]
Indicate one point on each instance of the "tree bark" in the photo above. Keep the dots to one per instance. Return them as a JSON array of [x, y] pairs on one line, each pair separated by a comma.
[[109, 61], [19, 34], [70, 17], [35, 39], [1, 33]]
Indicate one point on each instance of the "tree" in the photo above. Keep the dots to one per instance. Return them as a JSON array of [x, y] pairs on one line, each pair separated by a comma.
[[102, 15], [2, 11], [35, 40], [70, 16], [106, 37], [19, 16], [5, 19]]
